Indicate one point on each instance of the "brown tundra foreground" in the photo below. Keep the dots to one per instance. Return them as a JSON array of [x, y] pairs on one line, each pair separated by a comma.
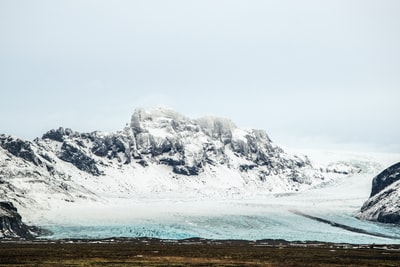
[[193, 252]]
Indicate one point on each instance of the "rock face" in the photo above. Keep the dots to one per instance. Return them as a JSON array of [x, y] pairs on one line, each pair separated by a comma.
[[19, 148], [158, 152], [11, 225], [384, 202], [189, 146]]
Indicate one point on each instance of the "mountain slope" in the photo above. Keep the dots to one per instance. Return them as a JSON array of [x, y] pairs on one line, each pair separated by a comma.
[[159, 152], [383, 204]]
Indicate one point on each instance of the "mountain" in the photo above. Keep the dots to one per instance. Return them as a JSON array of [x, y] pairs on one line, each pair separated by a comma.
[[160, 152], [383, 204], [11, 225]]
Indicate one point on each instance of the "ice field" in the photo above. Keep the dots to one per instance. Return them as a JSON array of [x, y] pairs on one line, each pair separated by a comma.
[[269, 216]]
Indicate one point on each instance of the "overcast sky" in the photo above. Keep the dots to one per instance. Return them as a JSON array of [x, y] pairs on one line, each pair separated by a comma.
[[311, 73]]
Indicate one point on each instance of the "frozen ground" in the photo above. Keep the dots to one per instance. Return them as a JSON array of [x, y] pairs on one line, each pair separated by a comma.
[[268, 216]]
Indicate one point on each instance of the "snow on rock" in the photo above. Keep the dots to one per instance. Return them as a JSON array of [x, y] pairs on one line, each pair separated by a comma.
[[160, 152], [384, 202]]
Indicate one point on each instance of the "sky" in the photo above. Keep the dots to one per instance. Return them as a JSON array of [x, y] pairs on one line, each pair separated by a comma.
[[313, 74]]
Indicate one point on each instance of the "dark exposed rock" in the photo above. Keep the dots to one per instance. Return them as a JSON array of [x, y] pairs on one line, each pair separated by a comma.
[[58, 134], [148, 144], [385, 178], [393, 218], [172, 162], [187, 170], [79, 159], [143, 163], [165, 147], [247, 167], [100, 148], [19, 148], [11, 225], [384, 202], [111, 146]]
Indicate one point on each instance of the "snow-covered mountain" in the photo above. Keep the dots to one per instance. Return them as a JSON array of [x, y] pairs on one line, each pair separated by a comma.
[[383, 204], [159, 152]]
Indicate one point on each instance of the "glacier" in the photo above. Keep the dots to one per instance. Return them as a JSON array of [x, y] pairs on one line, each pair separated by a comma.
[[265, 216]]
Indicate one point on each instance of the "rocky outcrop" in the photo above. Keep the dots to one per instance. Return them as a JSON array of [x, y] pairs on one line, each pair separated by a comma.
[[384, 202], [58, 134], [385, 179], [112, 146], [19, 148], [73, 154], [11, 225]]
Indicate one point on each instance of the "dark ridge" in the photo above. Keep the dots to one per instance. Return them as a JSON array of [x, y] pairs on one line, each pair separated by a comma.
[[79, 159], [385, 178], [19, 148], [11, 225], [343, 226]]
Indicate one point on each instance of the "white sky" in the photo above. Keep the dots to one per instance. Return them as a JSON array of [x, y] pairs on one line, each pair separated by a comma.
[[311, 73]]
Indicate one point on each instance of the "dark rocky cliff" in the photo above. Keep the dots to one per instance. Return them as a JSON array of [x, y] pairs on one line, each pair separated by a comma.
[[384, 202], [11, 225]]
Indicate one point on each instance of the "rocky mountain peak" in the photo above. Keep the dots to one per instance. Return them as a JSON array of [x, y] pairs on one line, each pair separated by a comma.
[[161, 117], [217, 127], [189, 146], [173, 122]]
